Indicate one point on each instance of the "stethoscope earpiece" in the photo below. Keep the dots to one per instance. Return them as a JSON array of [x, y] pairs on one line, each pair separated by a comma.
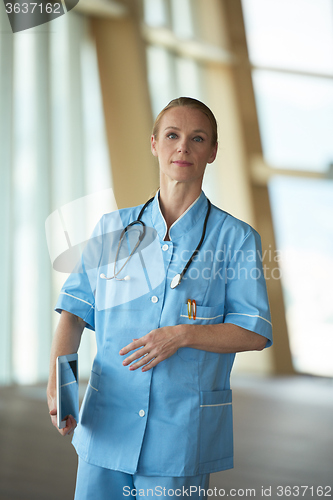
[[102, 275], [176, 279]]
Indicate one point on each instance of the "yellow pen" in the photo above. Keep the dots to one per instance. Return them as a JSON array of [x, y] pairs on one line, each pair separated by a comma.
[[191, 309]]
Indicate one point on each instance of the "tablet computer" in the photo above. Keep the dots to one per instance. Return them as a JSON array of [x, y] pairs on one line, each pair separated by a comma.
[[67, 388]]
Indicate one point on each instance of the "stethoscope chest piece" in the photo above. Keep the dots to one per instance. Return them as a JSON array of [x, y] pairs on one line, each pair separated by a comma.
[[175, 281]]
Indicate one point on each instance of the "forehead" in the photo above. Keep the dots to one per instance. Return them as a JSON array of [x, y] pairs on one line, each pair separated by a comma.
[[185, 118]]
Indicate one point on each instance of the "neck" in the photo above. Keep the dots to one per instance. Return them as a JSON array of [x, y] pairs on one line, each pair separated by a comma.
[[175, 200]]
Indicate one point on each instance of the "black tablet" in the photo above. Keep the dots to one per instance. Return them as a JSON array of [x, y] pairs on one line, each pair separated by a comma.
[[67, 388]]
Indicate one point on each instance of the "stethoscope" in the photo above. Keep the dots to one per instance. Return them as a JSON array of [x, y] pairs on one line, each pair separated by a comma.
[[176, 279]]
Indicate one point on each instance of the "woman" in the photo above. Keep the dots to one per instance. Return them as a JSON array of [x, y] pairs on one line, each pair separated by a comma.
[[169, 318]]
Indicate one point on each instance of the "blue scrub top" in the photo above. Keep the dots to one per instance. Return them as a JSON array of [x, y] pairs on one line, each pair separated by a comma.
[[175, 419]]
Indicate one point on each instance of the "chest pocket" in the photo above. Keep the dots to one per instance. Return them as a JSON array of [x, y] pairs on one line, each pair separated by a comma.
[[204, 316]]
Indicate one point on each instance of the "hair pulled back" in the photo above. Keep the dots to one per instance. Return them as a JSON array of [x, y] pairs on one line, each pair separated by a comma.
[[190, 103]]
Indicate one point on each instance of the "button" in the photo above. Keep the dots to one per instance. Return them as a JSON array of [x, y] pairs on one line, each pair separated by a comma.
[[165, 248], [142, 413], [154, 299]]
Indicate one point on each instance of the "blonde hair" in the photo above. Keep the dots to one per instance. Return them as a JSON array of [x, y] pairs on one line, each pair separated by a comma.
[[190, 103]]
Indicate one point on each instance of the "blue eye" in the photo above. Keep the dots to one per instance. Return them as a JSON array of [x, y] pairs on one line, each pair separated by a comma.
[[198, 138], [172, 136]]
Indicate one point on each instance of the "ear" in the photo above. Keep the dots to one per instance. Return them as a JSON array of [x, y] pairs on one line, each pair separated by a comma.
[[213, 154], [153, 146]]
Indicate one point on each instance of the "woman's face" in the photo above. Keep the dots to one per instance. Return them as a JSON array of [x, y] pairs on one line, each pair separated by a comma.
[[184, 145]]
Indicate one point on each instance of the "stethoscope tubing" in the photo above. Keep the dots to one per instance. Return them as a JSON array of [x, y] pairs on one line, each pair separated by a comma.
[[176, 279], [200, 242]]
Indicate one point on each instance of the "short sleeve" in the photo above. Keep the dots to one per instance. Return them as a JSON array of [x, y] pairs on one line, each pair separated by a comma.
[[246, 302], [77, 295]]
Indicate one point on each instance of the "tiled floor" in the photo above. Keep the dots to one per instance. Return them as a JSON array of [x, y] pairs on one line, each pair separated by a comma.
[[283, 439]]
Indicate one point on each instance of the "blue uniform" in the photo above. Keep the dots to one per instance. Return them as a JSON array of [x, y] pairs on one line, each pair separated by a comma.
[[175, 419]]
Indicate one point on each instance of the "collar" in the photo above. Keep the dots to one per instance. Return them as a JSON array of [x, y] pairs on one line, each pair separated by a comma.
[[184, 223]]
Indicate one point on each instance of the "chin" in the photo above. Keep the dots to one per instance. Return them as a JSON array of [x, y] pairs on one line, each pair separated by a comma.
[[181, 175]]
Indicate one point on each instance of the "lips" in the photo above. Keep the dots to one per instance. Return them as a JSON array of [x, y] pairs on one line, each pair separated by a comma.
[[181, 163]]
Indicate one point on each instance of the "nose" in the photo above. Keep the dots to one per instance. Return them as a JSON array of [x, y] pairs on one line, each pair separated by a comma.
[[183, 146]]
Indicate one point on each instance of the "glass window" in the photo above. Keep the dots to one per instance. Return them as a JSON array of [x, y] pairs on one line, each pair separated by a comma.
[[295, 115], [296, 120], [182, 18], [161, 77], [59, 154], [24, 249], [188, 78], [170, 77], [303, 213], [290, 34], [155, 13]]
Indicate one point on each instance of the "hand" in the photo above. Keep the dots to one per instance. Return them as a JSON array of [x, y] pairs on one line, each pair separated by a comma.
[[70, 421], [153, 348]]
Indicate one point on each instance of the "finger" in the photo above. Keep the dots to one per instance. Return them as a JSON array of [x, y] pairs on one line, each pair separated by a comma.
[[73, 425], [54, 422], [70, 425], [143, 361], [53, 415], [151, 364], [136, 355], [130, 347]]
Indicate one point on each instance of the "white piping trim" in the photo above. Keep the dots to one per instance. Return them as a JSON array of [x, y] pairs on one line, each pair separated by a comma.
[[93, 387], [198, 317], [251, 316], [189, 208], [69, 383], [165, 224], [166, 228], [77, 298], [219, 404]]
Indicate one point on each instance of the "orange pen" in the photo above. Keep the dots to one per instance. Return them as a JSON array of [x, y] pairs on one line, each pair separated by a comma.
[[194, 309]]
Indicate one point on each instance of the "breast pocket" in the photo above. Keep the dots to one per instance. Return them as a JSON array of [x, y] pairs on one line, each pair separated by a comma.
[[201, 315]]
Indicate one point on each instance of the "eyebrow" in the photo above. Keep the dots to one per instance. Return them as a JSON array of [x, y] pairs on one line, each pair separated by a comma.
[[197, 131]]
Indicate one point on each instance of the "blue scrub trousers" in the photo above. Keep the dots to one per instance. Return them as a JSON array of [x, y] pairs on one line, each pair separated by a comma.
[[97, 483]]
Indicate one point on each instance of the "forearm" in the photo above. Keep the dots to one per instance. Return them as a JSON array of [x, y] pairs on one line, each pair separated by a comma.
[[66, 340], [161, 343], [220, 338]]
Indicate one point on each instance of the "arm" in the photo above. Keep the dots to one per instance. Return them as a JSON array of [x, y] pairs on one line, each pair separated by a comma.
[[161, 343], [222, 338], [66, 341]]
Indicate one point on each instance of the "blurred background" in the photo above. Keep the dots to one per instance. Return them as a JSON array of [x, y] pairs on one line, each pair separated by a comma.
[[78, 97]]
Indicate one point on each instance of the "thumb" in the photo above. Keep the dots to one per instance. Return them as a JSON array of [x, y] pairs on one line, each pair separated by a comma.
[[53, 412]]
